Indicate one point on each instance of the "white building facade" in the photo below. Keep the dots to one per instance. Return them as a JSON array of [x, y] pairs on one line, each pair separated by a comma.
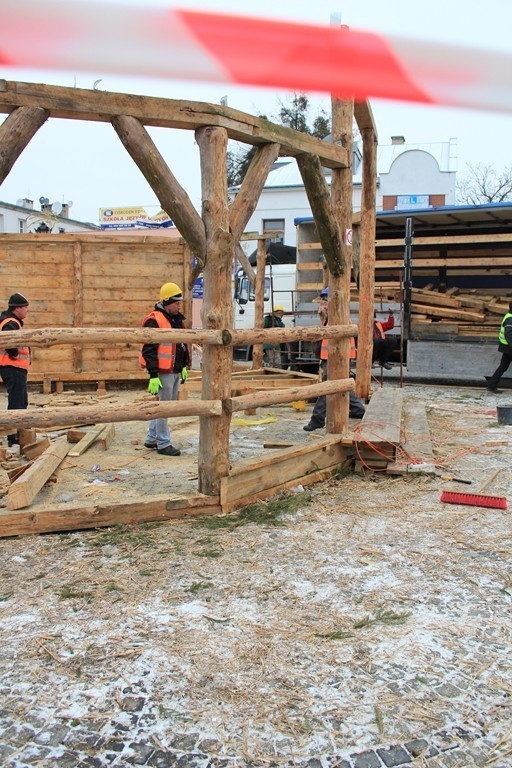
[[23, 218], [409, 176]]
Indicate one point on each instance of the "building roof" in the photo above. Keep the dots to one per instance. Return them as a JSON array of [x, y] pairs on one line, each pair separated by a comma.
[[285, 173], [443, 152], [37, 213], [485, 217]]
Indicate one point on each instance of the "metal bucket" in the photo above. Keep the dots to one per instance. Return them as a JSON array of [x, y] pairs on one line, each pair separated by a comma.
[[504, 414]]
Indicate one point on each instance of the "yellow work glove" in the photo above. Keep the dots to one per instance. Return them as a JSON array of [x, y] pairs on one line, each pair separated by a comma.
[[184, 375], [155, 385]]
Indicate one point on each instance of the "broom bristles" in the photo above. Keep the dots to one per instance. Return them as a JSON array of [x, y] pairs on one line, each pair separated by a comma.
[[474, 499]]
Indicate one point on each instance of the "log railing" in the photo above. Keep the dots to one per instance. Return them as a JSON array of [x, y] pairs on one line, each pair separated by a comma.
[[205, 408]]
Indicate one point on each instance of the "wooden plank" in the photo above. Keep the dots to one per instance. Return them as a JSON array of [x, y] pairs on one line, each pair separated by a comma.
[[103, 106], [107, 437], [265, 493], [454, 314], [70, 518], [35, 449], [418, 441], [87, 440], [25, 488], [381, 422], [250, 478]]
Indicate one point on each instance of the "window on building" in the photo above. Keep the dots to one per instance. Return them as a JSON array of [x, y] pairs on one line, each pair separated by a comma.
[[274, 229], [21, 226]]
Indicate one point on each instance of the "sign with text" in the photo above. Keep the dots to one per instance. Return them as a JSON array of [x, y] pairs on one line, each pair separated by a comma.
[[133, 218], [409, 202]]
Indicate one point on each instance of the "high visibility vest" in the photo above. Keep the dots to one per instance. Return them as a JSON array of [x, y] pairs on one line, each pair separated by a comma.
[[378, 331], [166, 352], [324, 352], [23, 359], [501, 335]]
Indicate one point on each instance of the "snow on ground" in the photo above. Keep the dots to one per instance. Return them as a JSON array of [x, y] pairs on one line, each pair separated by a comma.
[[372, 615]]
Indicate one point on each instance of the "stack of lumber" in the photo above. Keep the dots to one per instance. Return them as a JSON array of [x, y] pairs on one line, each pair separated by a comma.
[[456, 313], [378, 436], [45, 458]]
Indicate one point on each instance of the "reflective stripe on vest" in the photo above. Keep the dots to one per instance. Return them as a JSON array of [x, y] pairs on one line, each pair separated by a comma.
[[23, 359], [501, 335], [166, 352], [324, 351]]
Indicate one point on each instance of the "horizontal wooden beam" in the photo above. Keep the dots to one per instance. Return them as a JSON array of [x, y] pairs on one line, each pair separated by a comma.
[[102, 106], [277, 335], [48, 337], [103, 337], [469, 239], [288, 395], [103, 414], [72, 518], [251, 480]]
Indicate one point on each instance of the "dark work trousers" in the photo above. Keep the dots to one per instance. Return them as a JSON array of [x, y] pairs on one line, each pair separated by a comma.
[[383, 349], [15, 380], [506, 359], [356, 407]]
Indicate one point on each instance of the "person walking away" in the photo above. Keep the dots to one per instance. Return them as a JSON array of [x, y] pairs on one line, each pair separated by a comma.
[[356, 407], [165, 363], [505, 347], [15, 361], [383, 347], [274, 354]]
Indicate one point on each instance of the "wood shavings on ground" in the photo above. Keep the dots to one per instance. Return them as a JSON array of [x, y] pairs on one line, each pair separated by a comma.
[[373, 615]]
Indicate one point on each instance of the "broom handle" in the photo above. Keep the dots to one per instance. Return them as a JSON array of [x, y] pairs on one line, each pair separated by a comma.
[[488, 481]]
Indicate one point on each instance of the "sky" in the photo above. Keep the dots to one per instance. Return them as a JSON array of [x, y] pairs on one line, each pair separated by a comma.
[[86, 163]]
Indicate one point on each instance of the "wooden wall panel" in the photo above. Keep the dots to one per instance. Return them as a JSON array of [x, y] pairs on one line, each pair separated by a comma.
[[84, 280]]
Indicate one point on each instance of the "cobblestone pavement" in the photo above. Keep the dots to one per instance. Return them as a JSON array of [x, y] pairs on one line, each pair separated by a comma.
[[370, 629]]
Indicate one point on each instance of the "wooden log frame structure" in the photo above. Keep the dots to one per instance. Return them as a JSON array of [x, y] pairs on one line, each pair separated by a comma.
[[213, 237]]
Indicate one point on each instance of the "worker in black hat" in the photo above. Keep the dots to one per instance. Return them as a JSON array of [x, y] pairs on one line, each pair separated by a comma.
[[15, 361]]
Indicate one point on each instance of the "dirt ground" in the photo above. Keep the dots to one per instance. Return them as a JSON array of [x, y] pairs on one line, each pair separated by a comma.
[[363, 618]]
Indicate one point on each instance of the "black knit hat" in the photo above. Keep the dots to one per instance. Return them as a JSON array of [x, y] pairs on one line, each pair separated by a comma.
[[17, 300]]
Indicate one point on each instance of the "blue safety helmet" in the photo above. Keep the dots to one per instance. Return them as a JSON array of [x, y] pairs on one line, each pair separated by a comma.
[[324, 293]]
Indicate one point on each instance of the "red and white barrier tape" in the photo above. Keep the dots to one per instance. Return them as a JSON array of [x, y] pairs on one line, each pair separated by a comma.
[[195, 45]]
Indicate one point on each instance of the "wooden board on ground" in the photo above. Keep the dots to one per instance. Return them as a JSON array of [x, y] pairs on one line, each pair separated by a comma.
[[381, 423], [25, 488], [35, 449], [255, 479], [418, 441], [69, 518], [87, 440]]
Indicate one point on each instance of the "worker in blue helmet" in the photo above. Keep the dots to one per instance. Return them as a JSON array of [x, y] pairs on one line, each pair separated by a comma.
[[356, 407]]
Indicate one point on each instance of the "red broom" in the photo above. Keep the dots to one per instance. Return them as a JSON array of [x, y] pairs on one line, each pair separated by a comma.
[[477, 499]]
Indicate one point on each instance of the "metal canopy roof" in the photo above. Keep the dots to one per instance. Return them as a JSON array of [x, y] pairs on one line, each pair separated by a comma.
[[450, 218]]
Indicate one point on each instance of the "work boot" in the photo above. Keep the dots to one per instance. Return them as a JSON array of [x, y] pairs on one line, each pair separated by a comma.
[[149, 445], [387, 366], [169, 450], [312, 426], [494, 390]]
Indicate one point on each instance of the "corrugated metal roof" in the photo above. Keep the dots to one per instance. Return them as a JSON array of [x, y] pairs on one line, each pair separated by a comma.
[[488, 215]]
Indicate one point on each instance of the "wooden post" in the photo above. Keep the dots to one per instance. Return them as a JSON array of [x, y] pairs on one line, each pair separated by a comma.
[[259, 300], [339, 286], [367, 263], [171, 195], [16, 132], [216, 312]]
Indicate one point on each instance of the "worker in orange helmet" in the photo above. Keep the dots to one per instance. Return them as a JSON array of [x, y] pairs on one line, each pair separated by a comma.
[[166, 364], [274, 355]]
